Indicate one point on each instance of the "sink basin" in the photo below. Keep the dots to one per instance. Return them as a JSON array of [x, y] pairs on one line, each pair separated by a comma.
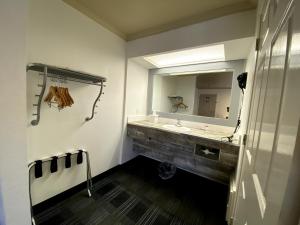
[[176, 128]]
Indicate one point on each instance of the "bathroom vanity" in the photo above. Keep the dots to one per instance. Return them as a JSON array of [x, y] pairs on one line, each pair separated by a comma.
[[203, 152]]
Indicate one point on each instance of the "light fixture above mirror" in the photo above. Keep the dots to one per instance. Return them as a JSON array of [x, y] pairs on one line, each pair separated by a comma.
[[213, 53]]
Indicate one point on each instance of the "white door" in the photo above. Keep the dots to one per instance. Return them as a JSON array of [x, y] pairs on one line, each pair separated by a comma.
[[271, 161]]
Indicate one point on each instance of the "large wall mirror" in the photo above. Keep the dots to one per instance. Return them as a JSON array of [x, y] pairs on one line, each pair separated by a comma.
[[206, 93]]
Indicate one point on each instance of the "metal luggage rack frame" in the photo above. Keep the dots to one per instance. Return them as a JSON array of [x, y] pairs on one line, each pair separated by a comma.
[[60, 156]]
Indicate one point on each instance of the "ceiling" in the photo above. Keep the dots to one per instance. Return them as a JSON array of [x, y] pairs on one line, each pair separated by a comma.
[[132, 19]]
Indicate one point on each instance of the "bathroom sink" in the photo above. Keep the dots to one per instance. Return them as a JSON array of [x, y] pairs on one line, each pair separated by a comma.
[[176, 128]]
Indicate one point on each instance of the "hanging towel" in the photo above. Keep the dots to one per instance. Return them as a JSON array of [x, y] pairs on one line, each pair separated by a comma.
[[53, 165], [79, 157], [38, 170], [68, 160]]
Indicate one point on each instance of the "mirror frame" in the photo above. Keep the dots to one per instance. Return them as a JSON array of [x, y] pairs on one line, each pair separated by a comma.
[[236, 66]]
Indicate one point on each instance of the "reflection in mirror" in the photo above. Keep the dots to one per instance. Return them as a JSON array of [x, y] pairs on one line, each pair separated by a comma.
[[205, 94]]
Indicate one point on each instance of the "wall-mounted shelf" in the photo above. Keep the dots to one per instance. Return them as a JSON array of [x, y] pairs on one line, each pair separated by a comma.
[[68, 74], [65, 74]]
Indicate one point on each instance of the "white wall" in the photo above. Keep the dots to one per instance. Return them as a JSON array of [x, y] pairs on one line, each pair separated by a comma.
[[14, 200], [136, 89], [235, 26], [163, 87], [250, 67], [186, 87], [2, 213], [59, 35], [237, 203], [136, 97], [157, 93]]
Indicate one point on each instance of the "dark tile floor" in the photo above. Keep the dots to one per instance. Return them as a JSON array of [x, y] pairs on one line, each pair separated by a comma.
[[135, 194]]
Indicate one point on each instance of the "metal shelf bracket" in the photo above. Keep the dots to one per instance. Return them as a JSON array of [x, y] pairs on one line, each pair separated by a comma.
[[95, 103], [40, 98]]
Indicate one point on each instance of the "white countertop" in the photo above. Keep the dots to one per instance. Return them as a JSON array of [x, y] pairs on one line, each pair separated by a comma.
[[217, 135]]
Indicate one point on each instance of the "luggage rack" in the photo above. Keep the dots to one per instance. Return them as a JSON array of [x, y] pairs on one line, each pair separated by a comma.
[[57, 157]]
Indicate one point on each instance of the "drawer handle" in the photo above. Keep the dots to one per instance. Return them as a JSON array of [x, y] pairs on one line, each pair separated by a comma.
[[139, 133], [207, 152]]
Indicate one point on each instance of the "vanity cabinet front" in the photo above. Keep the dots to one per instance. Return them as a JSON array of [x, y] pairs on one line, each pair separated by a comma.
[[205, 157]]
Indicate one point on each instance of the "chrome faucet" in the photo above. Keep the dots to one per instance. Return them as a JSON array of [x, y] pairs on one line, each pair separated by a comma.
[[178, 124]]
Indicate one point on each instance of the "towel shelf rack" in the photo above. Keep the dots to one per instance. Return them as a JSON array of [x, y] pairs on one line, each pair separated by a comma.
[[48, 159], [66, 74]]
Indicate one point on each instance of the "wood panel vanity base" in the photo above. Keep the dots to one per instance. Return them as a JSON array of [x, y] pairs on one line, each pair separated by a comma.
[[208, 158]]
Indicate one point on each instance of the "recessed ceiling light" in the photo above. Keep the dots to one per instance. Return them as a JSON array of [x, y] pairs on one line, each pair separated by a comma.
[[186, 57]]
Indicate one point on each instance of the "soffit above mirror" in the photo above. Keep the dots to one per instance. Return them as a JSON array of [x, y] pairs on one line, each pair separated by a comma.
[[219, 52]]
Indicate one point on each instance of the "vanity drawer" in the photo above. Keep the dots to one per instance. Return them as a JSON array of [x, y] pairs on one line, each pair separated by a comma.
[[207, 152], [136, 132]]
